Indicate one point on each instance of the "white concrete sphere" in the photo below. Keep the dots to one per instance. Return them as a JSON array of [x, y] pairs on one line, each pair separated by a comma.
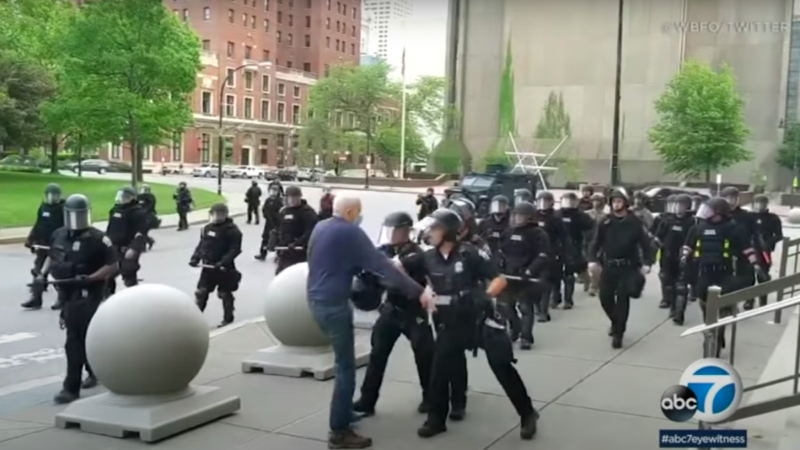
[[146, 340], [794, 216], [287, 313]]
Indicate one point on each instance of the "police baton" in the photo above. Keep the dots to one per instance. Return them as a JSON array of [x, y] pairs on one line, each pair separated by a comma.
[[519, 278], [211, 267], [288, 248], [41, 247]]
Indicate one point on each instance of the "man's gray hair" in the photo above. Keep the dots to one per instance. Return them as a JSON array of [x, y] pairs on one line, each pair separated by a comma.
[[342, 203]]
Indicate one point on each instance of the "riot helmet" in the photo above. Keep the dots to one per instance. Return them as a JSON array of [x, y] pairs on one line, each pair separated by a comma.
[[77, 213], [670, 206], [273, 190], [522, 195], [697, 202], [125, 195], [545, 200], [499, 206], [522, 214], [465, 210], [619, 200], [396, 229], [444, 226], [182, 185], [144, 189], [569, 201], [52, 193], [731, 195], [639, 199], [254, 183], [760, 203], [598, 201], [429, 192], [294, 196], [218, 213], [682, 204], [716, 207], [587, 191]]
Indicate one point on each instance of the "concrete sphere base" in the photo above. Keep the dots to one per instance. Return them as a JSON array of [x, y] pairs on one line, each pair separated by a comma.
[[149, 339], [794, 216]]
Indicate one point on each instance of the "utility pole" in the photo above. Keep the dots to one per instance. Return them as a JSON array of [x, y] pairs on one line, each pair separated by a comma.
[[615, 140]]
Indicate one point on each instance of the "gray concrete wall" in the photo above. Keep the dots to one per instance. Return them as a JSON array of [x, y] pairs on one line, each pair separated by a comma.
[[568, 47]]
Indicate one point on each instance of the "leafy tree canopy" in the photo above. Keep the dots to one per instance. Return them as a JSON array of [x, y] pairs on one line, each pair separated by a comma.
[[789, 153], [24, 85], [701, 126]]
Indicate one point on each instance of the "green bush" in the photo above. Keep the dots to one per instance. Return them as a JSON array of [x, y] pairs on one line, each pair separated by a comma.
[[20, 169]]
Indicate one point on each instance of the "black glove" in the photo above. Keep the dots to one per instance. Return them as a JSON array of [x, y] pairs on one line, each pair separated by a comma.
[[290, 246], [81, 279], [194, 263], [219, 266]]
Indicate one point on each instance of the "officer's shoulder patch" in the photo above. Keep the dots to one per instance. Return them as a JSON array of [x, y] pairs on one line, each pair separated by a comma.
[[106, 241]]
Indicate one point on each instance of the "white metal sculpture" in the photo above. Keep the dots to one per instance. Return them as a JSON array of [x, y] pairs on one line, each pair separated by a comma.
[[528, 162]]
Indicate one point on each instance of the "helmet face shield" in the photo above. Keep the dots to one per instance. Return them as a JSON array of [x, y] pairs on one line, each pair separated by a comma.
[[394, 235], [498, 207], [704, 212], [543, 203], [680, 208], [76, 220], [217, 216], [568, 202], [760, 206], [518, 220], [52, 197], [123, 197], [732, 200]]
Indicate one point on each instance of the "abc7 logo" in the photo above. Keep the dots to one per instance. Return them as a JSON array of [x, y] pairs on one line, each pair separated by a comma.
[[710, 391]]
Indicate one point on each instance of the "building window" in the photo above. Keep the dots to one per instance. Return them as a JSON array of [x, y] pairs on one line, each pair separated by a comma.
[[244, 20], [115, 152], [231, 15], [146, 154], [352, 49], [266, 25], [185, 15], [231, 50], [308, 21], [327, 42], [265, 112], [308, 3], [206, 45], [354, 31], [296, 114], [253, 22], [248, 80], [230, 106], [207, 103], [231, 78], [248, 52], [281, 112], [265, 84], [278, 36], [296, 91], [248, 108], [308, 40], [291, 20], [327, 69], [306, 67], [289, 38], [205, 148], [289, 64], [177, 146], [206, 13], [280, 17], [328, 23], [355, 11], [280, 140], [281, 89], [338, 42], [266, 5], [265, 55]]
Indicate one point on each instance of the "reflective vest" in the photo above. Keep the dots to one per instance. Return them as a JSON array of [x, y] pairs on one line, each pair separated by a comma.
[[713, 247]]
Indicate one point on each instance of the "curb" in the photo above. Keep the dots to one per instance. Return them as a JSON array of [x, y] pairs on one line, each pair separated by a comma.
[[21, 239]]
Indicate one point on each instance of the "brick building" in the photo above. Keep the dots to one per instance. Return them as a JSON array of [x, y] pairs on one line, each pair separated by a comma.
[[286, 45]]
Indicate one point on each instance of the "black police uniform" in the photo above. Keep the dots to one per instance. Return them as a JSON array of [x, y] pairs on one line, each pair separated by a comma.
[[492, 228], [621, 246], [562, 251], [183, 204], [276, 184], [671, 235], [427, 204], [770, 230], [49, 218], [585, 202], [220, 244], [398, 315], [745, 274], [253, 199], [456, 280], [148, 202], [75, 254], [524, 254], [295, 224], [578, 225], [127, 229], [271, 213]]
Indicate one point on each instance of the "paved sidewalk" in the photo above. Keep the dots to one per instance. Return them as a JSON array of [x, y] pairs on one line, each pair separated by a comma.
[[590, 395], [20, 234]]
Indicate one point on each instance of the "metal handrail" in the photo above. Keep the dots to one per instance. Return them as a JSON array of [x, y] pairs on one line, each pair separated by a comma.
[[736, 318]]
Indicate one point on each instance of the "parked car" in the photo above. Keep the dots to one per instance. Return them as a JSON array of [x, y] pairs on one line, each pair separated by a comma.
[[287, 175], [206, 171], [657, 196], [101, 166], [271, 174], [245, 172]]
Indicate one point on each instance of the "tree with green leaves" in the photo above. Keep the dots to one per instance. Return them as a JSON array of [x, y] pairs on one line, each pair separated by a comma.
[[788, 155], [129, 71], [358, 108], [24, 86], [701, 127], [555, 122], [496, 154]]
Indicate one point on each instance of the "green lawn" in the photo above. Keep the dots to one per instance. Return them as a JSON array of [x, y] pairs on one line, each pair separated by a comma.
[[21, 194]]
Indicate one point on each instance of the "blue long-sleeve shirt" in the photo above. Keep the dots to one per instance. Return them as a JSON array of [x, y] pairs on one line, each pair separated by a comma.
[[337, 252]]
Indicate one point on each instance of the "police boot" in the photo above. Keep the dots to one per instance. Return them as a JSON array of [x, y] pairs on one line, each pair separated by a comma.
[[35, 301], [569, 292], [430, 429], [762, 301], [527, 429], [262, 256], [90, 382], [616, 341], [227, 310], [748, 305], [555, 296], [679, 310], [64, 397], [58, 305], [525, 345], [424, 407], [543, 312], [363, 407], [201, 299]]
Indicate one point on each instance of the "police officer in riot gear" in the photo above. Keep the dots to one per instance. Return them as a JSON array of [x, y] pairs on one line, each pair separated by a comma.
[[427, 204], [585, 203], [82, 259], [670, 236], [578, 225], [492, 228], [598, 215], [220, 244], [697, 202], [562, 251], [524, 257], [127, 229], [770, 230], [296, 221], [253, 199], [745, 219], [469, 232], [669, 211], [623, 248], [712, 245], [398, 315], [271, 213], [523, 195], [276, 184], [183, 204], [148, 202], [641, 211], [458, 273], [49, 218]]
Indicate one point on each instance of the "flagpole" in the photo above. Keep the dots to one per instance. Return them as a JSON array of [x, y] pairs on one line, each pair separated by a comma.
[[403, 121]]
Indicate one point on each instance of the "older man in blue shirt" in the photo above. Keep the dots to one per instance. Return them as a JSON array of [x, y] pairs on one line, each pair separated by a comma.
[[339, 250]]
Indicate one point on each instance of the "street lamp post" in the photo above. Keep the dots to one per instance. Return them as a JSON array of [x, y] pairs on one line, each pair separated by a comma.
[[220, 138], [368, 152], [615, 175]]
